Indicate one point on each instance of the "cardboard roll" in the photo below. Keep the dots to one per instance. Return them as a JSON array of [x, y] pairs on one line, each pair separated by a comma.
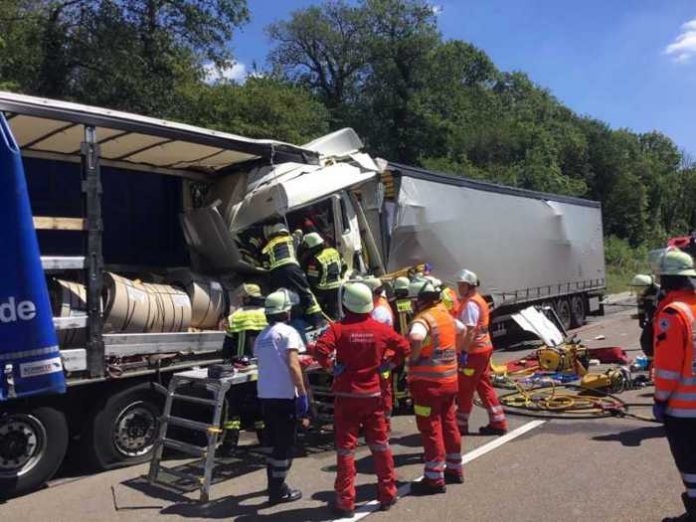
[[68, 299], [132, 306], [207, 298]]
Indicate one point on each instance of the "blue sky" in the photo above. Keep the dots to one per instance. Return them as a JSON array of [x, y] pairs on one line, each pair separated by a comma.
[[607, 59]]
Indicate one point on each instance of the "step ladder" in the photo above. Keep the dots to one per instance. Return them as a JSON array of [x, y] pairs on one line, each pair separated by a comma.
[[217, 388]]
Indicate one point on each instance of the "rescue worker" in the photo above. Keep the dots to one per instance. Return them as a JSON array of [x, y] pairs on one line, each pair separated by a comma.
[[325, 269], [475, 363], [402, 305], [359, 344], [242, 327], [675, 369], [433, 382], [279, 257], [381, 310], [281, 391], [382, 313]]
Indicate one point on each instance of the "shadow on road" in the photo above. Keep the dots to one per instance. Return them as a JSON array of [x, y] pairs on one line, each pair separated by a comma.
[[633, 437]]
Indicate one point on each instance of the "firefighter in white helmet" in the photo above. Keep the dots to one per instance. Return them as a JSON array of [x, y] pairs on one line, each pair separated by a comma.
[[325, 269], [475, 358], [278, 255]]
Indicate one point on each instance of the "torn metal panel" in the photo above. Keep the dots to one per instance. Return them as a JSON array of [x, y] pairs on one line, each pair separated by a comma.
[[534, 321]]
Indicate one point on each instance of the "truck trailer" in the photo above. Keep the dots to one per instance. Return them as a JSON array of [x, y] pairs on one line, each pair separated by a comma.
[[128, 207]]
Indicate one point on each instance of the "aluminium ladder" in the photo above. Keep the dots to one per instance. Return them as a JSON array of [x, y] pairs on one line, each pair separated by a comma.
[[218, 388]]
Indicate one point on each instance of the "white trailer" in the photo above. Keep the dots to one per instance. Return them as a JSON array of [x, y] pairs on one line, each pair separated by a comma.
[[526, 247]]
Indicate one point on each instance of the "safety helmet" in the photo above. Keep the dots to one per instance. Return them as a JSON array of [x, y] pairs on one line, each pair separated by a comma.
[[373, 283], [642, 280], [278, 302], [275, 229], [677, 263], [468, 277], [251, 290], [357, 297], [401, 283], [313, 240], [434, 280], [423, 289]]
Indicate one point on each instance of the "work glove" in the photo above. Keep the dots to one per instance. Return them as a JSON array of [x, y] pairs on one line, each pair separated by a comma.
[[338, 369], [302, 405], [659, 409], [463, 358]]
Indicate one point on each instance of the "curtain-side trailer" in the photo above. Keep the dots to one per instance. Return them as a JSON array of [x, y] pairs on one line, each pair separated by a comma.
[[107, 191]]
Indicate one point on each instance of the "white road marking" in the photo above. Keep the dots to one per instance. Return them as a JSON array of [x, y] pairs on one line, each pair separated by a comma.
[[368, 508]]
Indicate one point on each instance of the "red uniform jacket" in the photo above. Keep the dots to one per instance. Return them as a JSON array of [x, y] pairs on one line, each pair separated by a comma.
[[361, 346]]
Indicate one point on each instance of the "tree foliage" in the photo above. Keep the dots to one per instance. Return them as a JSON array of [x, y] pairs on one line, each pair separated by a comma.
[[380, 66]]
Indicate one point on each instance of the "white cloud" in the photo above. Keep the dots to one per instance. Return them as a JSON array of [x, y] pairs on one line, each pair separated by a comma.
[[232, 71], [436, 9], [683, 48]]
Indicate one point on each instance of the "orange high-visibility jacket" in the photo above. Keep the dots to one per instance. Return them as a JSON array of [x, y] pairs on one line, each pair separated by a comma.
[[675, 356], [438, 356], [482, 342]]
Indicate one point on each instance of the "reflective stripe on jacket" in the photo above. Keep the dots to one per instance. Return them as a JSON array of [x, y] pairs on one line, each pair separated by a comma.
[[438, 356], [279, 251], [247, 318], [675, 357], [330, 262]]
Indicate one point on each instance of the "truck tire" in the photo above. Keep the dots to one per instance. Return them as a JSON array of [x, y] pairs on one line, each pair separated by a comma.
[[32, 447], [123, 428], [564, 314], [577, 310]]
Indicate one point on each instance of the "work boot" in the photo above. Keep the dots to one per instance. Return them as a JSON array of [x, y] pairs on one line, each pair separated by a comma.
[[386, 506], [492, 430], [287, 495], [690, 515], [339, 512], [422, 487], [452, 477]]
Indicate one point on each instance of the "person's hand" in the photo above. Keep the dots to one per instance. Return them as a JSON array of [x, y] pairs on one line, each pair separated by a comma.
[[302, 405], [659, 409], [338, 369], [463, 358]]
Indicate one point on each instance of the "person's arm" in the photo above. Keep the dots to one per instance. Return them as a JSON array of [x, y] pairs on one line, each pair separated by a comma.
[[325, 347], [416, 337], [400, 346], [296, 372], [669, 352], [461, 336], [469, 318]]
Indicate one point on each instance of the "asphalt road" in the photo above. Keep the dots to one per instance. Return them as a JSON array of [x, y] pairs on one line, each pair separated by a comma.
[[609, 469]]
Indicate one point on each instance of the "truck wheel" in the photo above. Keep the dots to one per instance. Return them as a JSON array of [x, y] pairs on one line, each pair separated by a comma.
[[124, 428], [577, 310], [564, 314], [32, 448]]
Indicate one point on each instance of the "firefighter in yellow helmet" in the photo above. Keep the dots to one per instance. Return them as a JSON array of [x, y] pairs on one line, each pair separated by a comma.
[[242, 327], [325, 269], [280, 258]]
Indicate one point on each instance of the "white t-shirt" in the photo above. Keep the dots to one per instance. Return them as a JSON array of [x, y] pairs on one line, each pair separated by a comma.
[[271, 350], [470, 314], [419, 331]]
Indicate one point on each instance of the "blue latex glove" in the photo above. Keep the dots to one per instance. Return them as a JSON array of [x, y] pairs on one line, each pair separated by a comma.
[[385, 369], [302, 405], [338, 369], [659, 409], [463, 358]]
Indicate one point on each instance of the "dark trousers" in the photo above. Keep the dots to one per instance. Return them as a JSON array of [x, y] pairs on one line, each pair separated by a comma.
[[293, 278], [281, 429], [328, 300], [681, 434]]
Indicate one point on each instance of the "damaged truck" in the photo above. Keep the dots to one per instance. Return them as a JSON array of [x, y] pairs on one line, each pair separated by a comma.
[[144, 228]]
